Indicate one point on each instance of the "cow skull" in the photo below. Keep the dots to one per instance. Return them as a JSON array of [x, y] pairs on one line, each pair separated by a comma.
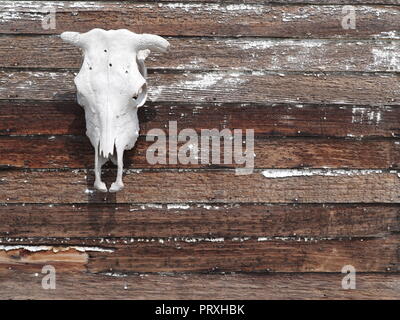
[[111, 86]]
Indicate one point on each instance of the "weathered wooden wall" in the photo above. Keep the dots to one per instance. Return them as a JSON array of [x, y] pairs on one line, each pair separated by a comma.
[[324, 103]]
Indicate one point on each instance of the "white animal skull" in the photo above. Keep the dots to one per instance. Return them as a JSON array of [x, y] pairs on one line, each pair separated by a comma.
[[111, 85]]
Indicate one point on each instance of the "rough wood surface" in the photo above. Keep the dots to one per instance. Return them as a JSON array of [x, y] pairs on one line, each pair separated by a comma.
[[330, 2], [182, 186], [15, 284], [323, 103], [197, 220], [260, 254], [205, 19], [59, 152], [220, 54], [67, 118], [224, 87]]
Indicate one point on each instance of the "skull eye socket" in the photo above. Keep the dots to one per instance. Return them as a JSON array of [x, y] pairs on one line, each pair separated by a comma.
[[135, 96], [141, 93]]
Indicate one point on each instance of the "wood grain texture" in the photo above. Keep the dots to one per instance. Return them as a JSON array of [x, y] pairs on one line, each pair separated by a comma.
[[208, 255], [197, 220], [77, 152], [317, 2], [323, 103], [205, 19], [219, 54], [15, 284], [224, 87], [180, 186], [67, 118]]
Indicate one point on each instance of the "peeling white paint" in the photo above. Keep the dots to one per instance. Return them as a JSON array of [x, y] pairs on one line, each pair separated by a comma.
[[201, 81], [91, 249], [115, 274], [387, 57], [154, 206], [292, 17], [27, 248], [36, 6], [257, 9], [191, 240], [360, 115], [178, 206], [86, 5], [240, 239], [394, 34], [208, 207], [215, 7], [52, 248], [298, 239], [8, 16], [287, 173], [183, 6]]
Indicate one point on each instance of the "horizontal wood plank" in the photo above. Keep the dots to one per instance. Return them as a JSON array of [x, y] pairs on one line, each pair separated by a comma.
[[317, 2], [197, 220], [77, 152], [67, 118], [181, 186], [225, 87], [219, 54], [15, 284], [208, 255], [202, 19], [324, 193]]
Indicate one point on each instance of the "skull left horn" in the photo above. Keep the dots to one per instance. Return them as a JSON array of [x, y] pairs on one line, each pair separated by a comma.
[[111, 86]]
